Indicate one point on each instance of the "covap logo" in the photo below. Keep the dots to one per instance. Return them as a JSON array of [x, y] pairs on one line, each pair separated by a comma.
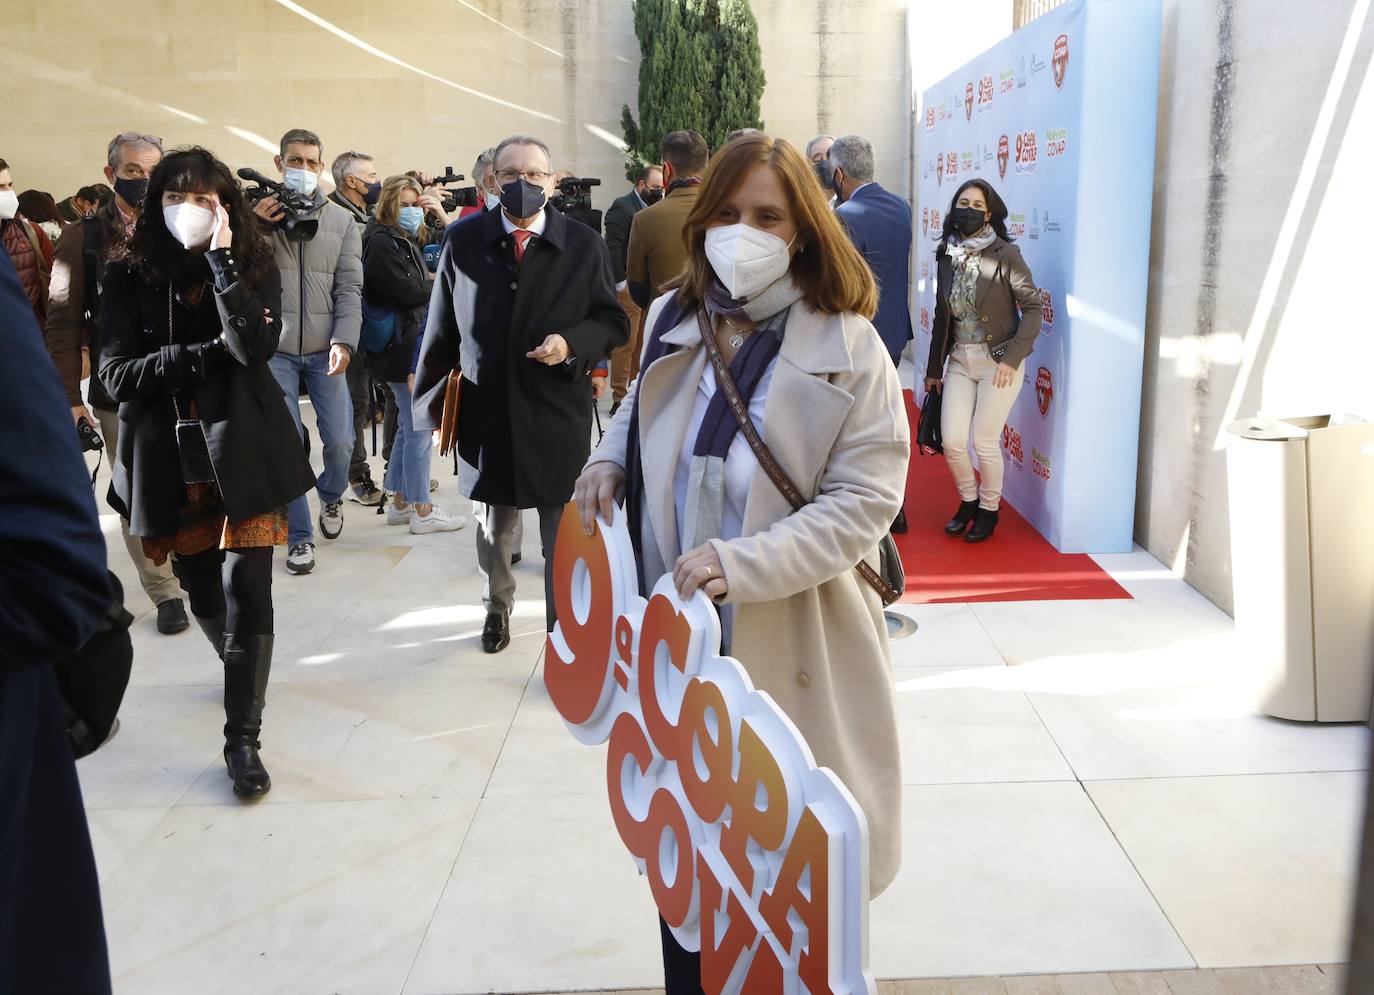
[[1003, 154], [968, 102], [939, 169], [1060, 61], [1044, 390], [925, 221]]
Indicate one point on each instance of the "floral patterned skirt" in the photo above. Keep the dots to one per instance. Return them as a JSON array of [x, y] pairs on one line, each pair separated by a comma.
[[202, 524]]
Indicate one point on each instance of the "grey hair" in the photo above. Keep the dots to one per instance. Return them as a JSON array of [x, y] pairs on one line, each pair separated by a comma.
[[130, 140], [811, 145], [303, 137], [480, 167], [853, 154], [521, 140], [344, 166]]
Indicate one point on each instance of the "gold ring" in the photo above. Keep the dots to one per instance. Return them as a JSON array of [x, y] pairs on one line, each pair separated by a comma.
[[709, 569]]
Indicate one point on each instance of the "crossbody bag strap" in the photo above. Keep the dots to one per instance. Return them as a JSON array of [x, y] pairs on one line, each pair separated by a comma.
[[726, 382]]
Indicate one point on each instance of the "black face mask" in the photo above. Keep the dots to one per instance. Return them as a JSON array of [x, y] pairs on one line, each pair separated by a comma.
[[967, 220], [373, 191], [133, 191], [523, 199], [825, 173], [837, 186], [651, 197]]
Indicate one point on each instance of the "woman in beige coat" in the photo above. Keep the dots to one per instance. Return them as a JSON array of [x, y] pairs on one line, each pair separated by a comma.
[[789, 301]]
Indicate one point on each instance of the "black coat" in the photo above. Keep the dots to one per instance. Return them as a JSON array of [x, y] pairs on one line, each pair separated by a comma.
[[618, 219], [394, 276], [255, 446], [54, 591], [524, 429]]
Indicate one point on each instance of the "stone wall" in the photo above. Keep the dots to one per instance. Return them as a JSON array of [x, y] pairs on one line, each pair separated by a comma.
[[1266, 125]]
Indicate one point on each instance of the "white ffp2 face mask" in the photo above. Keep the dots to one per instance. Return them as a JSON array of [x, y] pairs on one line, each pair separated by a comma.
[[189, 224], [747, 260], [493, 201], [9, 204], [303, 181]]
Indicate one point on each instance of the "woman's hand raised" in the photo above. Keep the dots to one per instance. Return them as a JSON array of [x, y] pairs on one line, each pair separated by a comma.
[[597, 490]]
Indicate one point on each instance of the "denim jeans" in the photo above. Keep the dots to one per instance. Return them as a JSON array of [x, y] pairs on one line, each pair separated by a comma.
[[334, 420], [407, 473]]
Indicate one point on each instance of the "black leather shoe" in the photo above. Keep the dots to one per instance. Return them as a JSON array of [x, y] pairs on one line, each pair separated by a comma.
[[171, 617], [899, 526], [250, 777], [614, 408], [516, 558], [957, 524], [496, 632], [984, 523]]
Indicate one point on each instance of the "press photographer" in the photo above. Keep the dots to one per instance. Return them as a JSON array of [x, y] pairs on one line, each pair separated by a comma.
[[574, 200], [321, 315]]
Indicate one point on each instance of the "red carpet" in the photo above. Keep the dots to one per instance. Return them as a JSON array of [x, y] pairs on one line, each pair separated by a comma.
[[1016, 564]]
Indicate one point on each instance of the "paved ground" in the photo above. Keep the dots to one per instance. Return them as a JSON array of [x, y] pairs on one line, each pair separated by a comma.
[[1087, 789]]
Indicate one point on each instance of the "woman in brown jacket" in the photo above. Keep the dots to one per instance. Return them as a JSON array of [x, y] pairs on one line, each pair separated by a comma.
[[987, 315], [789, 300]]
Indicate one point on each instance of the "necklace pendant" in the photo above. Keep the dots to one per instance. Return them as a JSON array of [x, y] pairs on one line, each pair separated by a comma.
[[737, 341]]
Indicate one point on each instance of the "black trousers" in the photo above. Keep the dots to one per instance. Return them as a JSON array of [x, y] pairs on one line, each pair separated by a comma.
[[360, 390], [681, 968], [237, 582]]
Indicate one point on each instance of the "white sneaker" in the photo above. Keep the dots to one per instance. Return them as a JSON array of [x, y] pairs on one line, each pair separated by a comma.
[[438, 520], [399, 516]]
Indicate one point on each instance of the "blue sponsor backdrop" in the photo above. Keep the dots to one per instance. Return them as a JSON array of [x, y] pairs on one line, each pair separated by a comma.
[[1060, 120]]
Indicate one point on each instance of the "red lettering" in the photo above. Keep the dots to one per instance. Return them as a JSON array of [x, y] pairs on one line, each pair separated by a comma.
[[663, 625], [710, 794], [720, 956]]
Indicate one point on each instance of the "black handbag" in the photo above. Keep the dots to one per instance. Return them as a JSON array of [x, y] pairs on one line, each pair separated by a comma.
[[192, 446], [928, 438]]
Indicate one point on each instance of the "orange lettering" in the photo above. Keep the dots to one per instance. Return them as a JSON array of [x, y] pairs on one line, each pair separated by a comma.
[[767, 826], [662, 625], [576, 685], [803, 886], [627, 740], [708, 795], [674, 900]]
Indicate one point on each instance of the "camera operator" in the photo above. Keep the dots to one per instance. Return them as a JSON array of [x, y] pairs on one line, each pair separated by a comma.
[[573, 197], [321, 313], [648, 189], [73, 321]]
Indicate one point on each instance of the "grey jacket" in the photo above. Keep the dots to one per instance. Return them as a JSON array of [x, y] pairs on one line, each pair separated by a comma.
[[327, 272]]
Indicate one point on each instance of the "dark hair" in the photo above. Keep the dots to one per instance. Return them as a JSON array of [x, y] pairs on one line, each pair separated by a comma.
[[38, 206], [3, 165], [156, 255], [686, 151], [91, 193], [301, 136], [996, 207], [103, 191], [643, 175]]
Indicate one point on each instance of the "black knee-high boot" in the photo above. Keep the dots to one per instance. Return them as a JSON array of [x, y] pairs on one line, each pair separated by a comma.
[[247, 664], [213, 629]]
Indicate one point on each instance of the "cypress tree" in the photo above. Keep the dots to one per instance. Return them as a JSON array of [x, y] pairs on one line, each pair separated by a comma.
[[700, 67]]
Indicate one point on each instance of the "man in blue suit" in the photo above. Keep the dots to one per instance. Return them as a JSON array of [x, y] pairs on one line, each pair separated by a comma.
[[879, 223]]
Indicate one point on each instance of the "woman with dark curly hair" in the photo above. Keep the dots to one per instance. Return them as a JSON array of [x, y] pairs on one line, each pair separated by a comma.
[[208, 454]]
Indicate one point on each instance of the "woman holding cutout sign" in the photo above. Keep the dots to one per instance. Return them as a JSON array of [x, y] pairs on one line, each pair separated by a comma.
[[776, 293]]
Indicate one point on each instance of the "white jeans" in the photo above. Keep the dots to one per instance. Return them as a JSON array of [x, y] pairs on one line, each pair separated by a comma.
[[971, 403]]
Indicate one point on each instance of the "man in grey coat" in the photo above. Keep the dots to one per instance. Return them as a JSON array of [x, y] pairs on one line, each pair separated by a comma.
[[321, 315]]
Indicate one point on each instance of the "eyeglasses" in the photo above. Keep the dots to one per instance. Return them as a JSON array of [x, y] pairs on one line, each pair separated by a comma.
[[534, 176]]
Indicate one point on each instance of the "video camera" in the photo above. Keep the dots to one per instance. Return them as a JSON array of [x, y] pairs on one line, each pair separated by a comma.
[[454, 199], [574, 194], [296, 225]]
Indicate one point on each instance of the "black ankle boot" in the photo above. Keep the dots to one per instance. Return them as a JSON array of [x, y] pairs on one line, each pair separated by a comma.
[[213, 628], [247, 663], [962, 517], [984, 523], [899, 525]]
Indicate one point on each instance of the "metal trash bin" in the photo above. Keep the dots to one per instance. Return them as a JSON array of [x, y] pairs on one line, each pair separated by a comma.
[[1301, 496]]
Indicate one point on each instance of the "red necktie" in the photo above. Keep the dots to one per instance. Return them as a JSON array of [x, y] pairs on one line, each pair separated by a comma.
[[522, 238]]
